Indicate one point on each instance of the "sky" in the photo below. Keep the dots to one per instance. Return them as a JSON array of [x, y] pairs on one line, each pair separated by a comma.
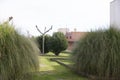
[[84, 15]]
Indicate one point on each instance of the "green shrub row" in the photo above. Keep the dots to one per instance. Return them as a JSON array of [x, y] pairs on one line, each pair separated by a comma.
[[18, 54], [98, 54]]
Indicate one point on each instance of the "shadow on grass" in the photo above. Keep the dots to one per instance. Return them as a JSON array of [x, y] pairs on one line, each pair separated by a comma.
[[54, 56]]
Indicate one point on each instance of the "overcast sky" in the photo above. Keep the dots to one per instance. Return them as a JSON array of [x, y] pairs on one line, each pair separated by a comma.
[[83, 15]]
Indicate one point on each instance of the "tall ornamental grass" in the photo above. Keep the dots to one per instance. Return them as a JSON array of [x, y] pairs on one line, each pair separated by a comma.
[[18, 54], [98, 54]]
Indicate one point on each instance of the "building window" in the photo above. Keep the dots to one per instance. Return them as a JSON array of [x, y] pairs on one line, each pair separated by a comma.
[[67, 37]]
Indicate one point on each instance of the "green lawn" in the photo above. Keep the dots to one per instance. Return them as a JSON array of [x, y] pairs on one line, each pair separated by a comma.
[[53, 71]]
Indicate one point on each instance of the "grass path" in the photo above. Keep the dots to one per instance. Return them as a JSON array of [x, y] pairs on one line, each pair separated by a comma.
[[53, 71]]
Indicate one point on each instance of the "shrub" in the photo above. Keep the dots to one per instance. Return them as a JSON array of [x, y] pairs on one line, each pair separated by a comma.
[[58, 43], [98, 54], [18, 54], [46, 43]]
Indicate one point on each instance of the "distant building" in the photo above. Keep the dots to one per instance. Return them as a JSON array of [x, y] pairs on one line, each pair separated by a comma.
[[73, 37], [115, 13], [63, 30]]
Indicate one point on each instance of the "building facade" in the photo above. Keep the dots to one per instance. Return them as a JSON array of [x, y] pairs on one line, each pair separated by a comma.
[[115, 13], [73, 37]]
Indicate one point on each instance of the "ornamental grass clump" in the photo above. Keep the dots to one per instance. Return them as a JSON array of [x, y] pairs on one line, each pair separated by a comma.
[[98, 54], [18, 54]]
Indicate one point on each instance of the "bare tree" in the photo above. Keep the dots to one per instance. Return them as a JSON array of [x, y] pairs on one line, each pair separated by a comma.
[[43, 34]]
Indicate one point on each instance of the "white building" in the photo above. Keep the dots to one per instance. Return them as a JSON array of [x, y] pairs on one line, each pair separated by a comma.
[[63, 30], [115, 13]]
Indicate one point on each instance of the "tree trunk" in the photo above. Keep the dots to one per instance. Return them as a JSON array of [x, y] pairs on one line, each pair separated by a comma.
[[57, 54]]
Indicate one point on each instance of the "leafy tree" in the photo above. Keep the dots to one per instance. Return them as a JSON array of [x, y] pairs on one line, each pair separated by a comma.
[[58, 43], [46, 43]]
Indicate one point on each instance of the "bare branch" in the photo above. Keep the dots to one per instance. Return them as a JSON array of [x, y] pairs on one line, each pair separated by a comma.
[[39, 30], [10, 18], [48, 30]]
